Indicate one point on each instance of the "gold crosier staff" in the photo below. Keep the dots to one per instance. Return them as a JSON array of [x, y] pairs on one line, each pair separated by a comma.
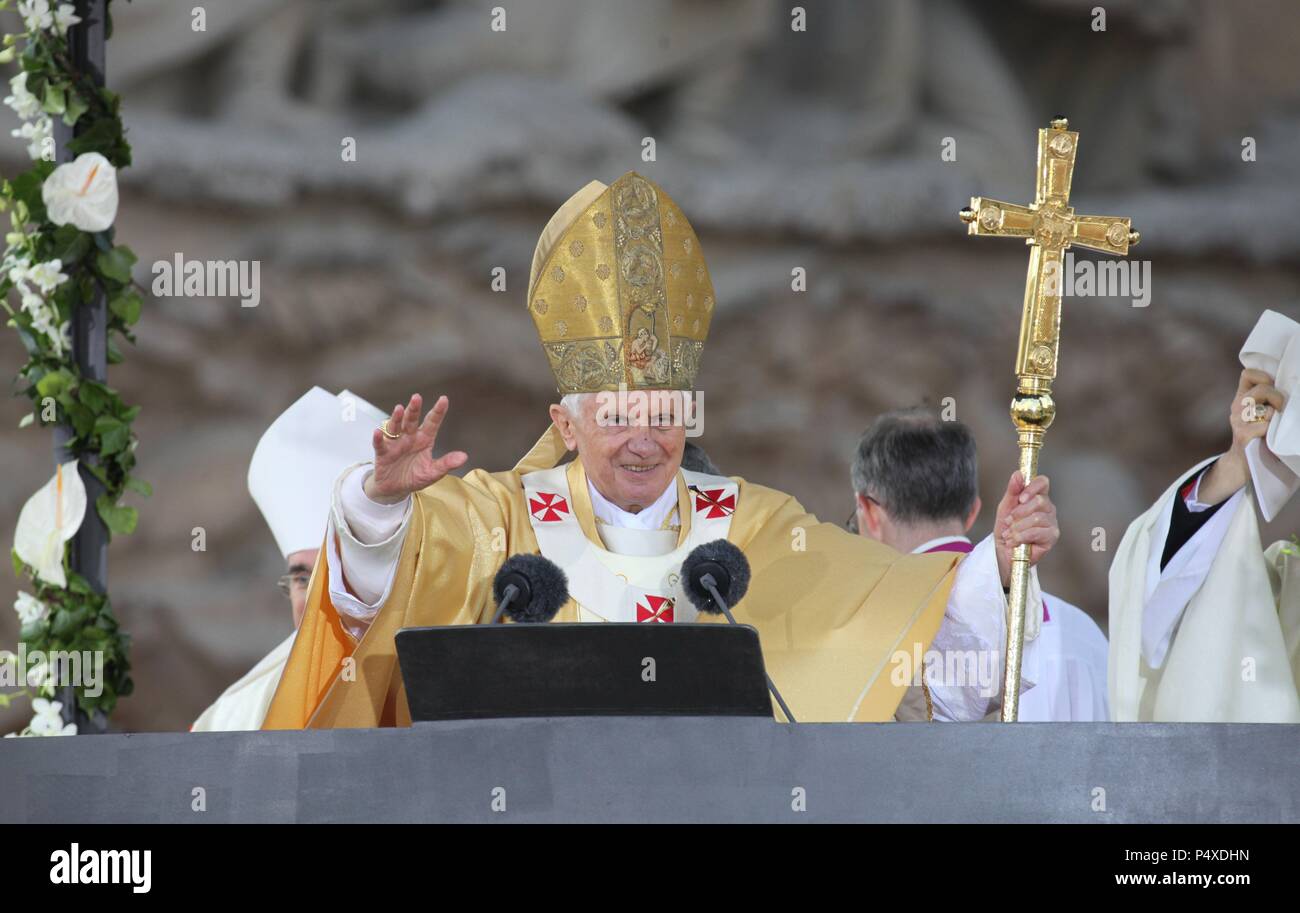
[[1049, 226]]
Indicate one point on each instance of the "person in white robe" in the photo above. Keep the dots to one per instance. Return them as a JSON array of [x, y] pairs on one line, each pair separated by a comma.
[[915, 480], [1204, 621], [290, 478]]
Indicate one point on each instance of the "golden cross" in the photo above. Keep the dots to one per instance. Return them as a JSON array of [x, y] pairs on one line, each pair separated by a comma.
[[1049, 226]]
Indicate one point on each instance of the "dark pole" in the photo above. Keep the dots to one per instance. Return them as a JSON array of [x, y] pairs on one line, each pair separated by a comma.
[[90, 352]]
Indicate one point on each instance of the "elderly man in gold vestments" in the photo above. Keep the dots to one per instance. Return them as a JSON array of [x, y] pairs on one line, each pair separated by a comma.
[[622, 300]]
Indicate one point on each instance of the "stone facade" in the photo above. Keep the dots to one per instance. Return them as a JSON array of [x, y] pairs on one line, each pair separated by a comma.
[[819, 150]]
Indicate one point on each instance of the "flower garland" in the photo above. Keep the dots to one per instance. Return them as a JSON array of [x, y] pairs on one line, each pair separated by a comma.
[[60, 253]]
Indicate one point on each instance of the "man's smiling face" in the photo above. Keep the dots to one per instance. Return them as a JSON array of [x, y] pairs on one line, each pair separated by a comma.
[[631, 450]]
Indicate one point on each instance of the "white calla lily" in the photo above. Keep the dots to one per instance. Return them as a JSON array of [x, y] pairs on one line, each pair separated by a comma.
[[50, 518], [83, 192]]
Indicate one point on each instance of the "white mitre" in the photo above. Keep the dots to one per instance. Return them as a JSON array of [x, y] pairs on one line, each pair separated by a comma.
[[291, 477], [300, 456]]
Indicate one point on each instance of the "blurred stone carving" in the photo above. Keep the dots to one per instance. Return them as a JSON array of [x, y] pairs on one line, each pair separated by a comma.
[[817, 149]]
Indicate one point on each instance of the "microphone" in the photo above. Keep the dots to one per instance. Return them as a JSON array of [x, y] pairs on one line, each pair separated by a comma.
[[717, 577], [530, 589]]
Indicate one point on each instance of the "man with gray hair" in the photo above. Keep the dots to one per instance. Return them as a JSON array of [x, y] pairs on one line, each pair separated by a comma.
[[916, 484]]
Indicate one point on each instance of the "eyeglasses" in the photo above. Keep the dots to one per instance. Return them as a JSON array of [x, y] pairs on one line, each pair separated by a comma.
[[851, 524], [290, 582]]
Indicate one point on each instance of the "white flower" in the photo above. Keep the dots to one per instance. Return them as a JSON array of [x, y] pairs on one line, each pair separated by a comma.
[[30, 609], [47, 276], [33, 303], [36, 14], [25, 103], [36, 132], [47, 719], [20, 278], [50, 518], [83, 192], [58, 334], [42, 317], [65, 16]]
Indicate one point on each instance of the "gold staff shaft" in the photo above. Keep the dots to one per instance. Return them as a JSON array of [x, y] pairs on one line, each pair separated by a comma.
[[1032, 411]]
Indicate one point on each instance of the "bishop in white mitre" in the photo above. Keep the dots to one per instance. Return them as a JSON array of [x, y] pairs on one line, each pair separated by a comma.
[[1205, 621], [290, 477], [622, 301]]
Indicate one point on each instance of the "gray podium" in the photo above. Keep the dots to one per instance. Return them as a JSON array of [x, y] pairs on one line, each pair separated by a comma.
[[714, 769]]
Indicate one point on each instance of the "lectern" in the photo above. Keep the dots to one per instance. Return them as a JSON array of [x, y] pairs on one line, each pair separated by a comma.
[[465, 672]]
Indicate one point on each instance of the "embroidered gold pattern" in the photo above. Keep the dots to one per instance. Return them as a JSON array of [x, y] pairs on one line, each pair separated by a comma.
[[622, 266]]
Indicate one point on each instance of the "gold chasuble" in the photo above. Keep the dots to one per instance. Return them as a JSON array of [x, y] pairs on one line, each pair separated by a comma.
[[622, 298]]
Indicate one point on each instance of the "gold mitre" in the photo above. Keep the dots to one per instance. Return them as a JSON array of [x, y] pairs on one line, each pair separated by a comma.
[[619, 290]]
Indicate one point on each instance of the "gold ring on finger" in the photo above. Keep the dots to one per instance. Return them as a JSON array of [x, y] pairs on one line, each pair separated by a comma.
[[388, 434], [1257, 413]]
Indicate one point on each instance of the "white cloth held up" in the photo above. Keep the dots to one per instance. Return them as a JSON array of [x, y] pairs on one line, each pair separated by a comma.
[[1273, 347]]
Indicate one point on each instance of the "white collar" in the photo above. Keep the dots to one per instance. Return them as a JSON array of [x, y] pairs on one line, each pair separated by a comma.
[[935, 543], [650, 517]]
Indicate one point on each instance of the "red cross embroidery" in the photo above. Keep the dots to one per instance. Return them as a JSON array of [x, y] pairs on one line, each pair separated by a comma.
[[712, 504], [547, 507], [661, 610]]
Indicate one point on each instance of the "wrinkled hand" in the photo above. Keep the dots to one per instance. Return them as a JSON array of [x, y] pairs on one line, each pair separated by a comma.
[[1026, 515], [406, 464], [1232, 470]]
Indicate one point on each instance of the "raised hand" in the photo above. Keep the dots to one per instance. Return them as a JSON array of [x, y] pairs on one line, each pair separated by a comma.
[[405, 464], [1026, 515], [1253, 408]]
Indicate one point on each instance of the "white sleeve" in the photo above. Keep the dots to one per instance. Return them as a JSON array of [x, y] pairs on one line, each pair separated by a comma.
[[364, 542], [972, 636], [1193, 500], [1169, 590]]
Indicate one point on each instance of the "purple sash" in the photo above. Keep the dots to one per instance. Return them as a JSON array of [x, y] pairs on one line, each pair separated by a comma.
[[966, 548]]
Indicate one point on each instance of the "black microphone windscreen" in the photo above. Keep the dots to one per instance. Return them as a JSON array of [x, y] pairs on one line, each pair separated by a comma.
[[732, 582], [549, 589], [515, 571]]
